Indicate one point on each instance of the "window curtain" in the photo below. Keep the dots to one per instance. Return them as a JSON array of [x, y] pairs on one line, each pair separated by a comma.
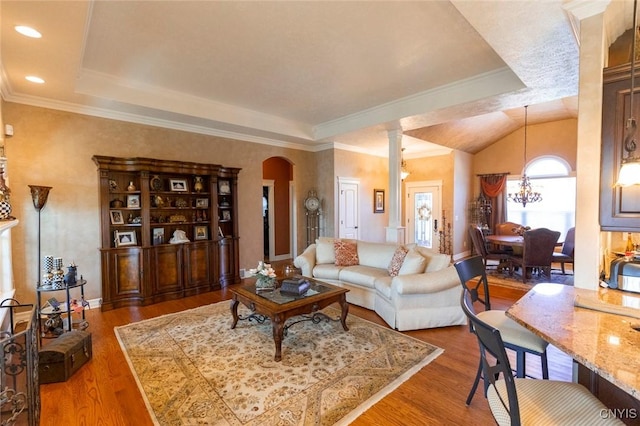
[[494, 188]]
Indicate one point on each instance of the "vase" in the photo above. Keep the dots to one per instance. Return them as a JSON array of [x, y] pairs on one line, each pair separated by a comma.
[[131, 186], [265, 283], [198, 185]]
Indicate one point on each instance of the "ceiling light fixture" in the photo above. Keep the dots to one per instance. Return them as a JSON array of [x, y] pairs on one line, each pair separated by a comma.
[[526, 194], [28, 31], [403, 166], [629, 173], [34, 79]]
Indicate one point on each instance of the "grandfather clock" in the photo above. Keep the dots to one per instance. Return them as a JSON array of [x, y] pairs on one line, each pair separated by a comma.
[[312, 205]]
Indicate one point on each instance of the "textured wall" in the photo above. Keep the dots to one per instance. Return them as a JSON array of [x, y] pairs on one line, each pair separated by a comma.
[[54, 148]]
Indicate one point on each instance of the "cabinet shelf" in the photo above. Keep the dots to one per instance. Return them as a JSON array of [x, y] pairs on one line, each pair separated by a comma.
[[153, 270]]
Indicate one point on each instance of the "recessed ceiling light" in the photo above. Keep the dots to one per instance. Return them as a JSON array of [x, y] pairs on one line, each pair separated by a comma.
[[34, 79], [28, 31]]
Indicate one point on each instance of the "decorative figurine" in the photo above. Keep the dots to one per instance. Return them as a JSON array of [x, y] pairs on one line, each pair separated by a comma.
[[70, 277]]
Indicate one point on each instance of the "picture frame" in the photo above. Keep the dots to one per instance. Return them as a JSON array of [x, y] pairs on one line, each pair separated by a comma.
[[223, 187], [200, 232], [178, 185], [202, 203], [116, 217], [133, 201], [226, 215], [378, 200], [158, 236], [125, 238]]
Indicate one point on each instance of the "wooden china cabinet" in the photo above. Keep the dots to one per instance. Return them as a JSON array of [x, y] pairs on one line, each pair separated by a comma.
[[169, 229]]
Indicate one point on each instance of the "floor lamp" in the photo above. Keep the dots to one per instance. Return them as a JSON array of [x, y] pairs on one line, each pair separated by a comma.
[[39, 195]]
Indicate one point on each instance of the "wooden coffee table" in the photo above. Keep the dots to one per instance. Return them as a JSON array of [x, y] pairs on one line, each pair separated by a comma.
[[278, 307]]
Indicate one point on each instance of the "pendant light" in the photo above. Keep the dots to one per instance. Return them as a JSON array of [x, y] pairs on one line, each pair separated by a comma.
[[629, 173], [403, 166], [525, 194]]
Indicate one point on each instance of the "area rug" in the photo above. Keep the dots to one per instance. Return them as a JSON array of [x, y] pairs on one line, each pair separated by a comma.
[[191, 368], [503, 279]]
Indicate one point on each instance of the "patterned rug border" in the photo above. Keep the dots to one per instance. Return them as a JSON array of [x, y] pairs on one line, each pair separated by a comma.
[[503, 280], [347, 419]]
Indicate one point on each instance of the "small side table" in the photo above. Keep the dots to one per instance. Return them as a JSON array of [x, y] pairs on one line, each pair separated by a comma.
[[53, 326]]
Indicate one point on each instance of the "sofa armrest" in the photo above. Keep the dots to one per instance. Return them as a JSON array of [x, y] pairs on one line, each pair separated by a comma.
[[306, 261], [428, 282]]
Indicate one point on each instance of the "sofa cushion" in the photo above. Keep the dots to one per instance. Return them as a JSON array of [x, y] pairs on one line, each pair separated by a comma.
[[377, 255], [435, 261], [327, 271], [346, 253], [396, 260], [325, 251], [414, 263], [364, 276]]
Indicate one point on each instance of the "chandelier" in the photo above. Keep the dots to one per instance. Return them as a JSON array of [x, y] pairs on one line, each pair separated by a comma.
[[403, 166], [525, 194], [630, 171]]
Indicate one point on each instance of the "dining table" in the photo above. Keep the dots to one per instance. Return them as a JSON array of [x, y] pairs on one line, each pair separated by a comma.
[[599, 329], [506, 240]]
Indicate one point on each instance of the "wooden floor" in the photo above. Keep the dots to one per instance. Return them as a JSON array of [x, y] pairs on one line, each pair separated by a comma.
[[104, 392]]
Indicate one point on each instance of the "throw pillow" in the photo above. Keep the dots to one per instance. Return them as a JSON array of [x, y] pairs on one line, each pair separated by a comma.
[[396, 260], [325, 250], [414, 263], [346, 253]]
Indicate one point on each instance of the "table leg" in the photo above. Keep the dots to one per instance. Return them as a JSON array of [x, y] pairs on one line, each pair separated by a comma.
[[345, 310], [234, 312], [278, 332]]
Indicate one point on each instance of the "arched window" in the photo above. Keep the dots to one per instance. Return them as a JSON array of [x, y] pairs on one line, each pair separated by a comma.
[[552, 177], [548, 166]]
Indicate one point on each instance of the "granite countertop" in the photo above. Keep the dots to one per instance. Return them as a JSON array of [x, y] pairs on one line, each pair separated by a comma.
[[606, 343]]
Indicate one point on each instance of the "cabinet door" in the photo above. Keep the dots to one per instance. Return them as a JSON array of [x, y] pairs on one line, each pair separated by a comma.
[[619, 207], [166, 264], [228, 254], [198, 266], [123, 277]]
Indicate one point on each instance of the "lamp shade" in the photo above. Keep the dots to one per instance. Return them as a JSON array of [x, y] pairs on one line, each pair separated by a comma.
[[629, 174], [39, 195]]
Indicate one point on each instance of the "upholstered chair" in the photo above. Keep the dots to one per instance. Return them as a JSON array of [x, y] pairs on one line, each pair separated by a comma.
[[537, 252]]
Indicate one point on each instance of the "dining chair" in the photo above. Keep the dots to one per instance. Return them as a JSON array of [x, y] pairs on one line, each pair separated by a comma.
[[565, 255], [537, 252], [480, 245], [522, 401], [507, 228], [517, 338]]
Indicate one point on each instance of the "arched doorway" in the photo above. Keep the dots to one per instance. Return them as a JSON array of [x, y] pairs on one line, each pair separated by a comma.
[[278, 202]]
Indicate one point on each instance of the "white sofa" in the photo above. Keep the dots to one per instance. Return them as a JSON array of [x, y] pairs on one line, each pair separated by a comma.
[[425, 293]]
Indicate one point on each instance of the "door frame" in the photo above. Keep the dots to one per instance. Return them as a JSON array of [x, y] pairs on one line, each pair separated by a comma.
[[341, 208], [270, 184], [410, 185]]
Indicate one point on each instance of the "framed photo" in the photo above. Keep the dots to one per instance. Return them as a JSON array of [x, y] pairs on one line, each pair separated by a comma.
[[133, 201], [200, 233], [126, 238], [116, 217], [178, 185], [202, 203], [378, 200], [223, 187], [226, 215], [158, 236]]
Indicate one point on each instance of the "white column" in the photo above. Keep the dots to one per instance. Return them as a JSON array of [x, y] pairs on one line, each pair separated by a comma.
[[395, 233], [592, 53]]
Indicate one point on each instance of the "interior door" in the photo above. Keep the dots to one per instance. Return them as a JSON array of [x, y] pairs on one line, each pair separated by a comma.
[[348, 214], [422, 213]]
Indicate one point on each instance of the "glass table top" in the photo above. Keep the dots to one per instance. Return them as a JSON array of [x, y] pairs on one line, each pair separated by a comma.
[[277, 296]]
